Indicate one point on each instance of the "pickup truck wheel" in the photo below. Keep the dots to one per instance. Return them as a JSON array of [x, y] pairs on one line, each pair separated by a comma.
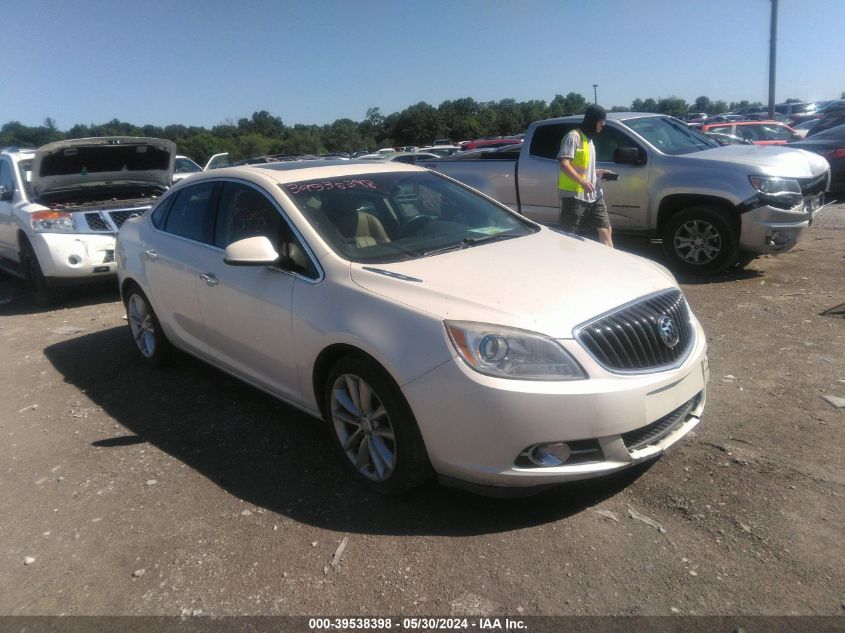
[[145, 328], [700, 241], [42, 294], [373, 427]]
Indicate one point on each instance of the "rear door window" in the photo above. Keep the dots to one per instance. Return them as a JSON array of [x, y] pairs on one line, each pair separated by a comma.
[[545, 143]]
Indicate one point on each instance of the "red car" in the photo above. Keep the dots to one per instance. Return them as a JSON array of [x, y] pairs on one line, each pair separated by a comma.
[[758, 132], [491, 142]]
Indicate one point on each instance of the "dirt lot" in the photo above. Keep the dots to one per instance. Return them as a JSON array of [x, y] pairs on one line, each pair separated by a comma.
[[131, 491]]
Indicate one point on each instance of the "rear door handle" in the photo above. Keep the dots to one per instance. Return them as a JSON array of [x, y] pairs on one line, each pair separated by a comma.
[[151, 255], [209, 279]]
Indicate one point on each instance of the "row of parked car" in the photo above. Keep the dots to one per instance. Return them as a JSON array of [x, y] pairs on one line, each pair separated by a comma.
[[823, 133]]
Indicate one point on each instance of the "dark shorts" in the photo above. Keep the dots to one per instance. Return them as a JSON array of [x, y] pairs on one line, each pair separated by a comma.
[[577, 215]]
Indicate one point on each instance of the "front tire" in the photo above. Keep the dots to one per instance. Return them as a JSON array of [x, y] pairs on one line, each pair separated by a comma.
[[701, 241], [146, 330], [42, 294], [373, 427]]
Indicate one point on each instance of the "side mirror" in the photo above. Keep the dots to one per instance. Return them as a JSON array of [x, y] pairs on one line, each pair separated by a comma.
[[6, 195], [251, 251], [627, 156]]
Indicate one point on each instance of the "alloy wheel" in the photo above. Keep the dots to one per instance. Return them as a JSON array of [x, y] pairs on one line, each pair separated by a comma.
[[697, 242], [363, 427], [141, 325]]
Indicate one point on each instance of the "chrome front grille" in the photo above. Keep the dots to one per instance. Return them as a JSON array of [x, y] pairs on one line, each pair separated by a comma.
[[119, 217], [657, 430], [640, 337], [110, 221], [96, 222]]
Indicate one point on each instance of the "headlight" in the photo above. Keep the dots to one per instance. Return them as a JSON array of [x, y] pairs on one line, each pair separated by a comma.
[[52, 222], [506, 352], [783, 189]]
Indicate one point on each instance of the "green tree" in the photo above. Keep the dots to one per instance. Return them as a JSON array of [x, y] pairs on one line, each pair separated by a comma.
[[717, 107], [508, 118], [418, 125], [203, 146], [702, 104], [263, 123], [649, 105], [341, 135], [303, 139], [673, 106]]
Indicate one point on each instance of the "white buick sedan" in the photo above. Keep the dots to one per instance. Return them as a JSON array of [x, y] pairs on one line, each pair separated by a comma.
[[435, 331]]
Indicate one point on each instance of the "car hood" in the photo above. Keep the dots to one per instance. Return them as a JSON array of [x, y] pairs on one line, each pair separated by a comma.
[[112, 161], [547, 282], [786, 162]]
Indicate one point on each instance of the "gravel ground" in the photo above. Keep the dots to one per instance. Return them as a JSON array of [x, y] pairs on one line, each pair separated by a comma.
[[126, 490]]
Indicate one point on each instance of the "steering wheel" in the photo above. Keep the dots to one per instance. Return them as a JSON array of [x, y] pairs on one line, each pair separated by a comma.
[[415, 225]]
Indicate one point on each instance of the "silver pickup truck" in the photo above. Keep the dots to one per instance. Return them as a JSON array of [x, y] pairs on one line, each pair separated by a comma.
[[713, 206]]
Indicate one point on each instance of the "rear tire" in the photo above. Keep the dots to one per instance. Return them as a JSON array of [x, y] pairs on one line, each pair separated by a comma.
[[373, 428], [701, 240], [42, 294], [146, 331]]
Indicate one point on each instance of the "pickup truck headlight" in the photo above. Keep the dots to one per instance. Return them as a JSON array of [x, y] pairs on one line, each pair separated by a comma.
[[784, 190], [52, 222], [504, 352]]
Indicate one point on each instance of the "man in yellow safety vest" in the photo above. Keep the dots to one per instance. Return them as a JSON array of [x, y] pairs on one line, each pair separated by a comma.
[[581, 203]]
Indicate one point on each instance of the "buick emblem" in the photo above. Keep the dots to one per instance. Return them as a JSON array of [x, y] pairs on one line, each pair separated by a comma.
[[668, 331]]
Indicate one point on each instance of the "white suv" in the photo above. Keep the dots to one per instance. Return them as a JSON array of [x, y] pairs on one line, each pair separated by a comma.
[[434, 330], [62, 205]]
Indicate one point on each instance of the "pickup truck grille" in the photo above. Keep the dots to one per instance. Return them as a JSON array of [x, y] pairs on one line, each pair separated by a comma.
[[648, 335], [109, 221]]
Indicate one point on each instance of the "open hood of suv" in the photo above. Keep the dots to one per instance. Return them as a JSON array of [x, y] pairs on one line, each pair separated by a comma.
[[109, 161]]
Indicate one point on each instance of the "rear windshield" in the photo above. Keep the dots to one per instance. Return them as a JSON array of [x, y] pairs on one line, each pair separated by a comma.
[[390, 217]]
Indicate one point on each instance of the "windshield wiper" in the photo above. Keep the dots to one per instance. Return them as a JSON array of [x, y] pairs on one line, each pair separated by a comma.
[[469, 241], [475, 241]]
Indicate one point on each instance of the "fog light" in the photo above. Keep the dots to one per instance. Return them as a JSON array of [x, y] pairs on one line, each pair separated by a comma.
[[550, 454], [74, 260]]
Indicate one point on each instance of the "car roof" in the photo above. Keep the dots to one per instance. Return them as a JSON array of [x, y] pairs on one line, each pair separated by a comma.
[[297, 171], [724, 123], [21, 151], [611, 116]]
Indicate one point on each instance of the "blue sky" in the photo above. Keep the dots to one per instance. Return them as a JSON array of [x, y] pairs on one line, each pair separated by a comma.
[[204, 63]]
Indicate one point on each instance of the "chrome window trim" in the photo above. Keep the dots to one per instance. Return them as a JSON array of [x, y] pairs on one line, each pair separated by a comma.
[[321, 275]]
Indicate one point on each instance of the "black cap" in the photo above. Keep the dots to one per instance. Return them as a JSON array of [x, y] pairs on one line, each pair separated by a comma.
[[592, 115]]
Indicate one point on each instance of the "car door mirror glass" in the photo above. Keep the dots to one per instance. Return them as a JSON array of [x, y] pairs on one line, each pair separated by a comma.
[[6, 194], [251, 251]]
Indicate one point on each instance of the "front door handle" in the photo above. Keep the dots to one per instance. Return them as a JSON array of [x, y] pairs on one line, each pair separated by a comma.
[[151, 255], [209, 279]]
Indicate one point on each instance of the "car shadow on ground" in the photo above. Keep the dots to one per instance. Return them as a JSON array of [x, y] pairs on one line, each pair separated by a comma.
[[653, 250], [16, 300], [274, 456]]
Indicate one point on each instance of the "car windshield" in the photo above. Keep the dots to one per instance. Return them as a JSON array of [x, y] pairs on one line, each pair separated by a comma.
[[670, 136], [390, 217]]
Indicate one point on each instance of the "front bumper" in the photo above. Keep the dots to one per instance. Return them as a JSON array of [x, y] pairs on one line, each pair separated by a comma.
[[767, 229], [74, 257], [475, 427]]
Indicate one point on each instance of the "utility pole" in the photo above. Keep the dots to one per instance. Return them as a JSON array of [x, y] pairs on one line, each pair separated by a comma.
[[772, 54], [595, 94]]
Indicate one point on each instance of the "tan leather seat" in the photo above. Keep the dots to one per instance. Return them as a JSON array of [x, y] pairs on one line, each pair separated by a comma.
[[365, 228]]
